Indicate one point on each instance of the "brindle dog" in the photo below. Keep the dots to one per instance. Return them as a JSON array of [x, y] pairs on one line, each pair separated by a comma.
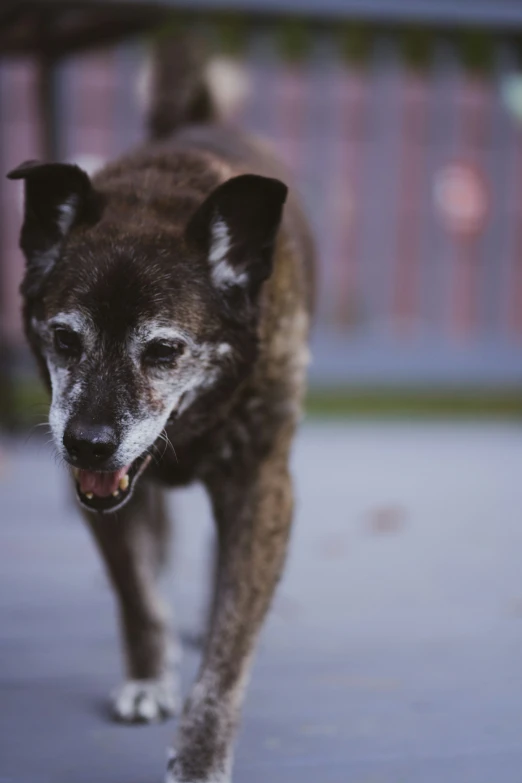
[[167, 303]]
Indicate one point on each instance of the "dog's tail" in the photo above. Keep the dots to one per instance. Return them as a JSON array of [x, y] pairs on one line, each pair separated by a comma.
[[181, 85]]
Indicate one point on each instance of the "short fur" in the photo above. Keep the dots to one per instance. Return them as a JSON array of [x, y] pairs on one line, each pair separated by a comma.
[[184, 241]]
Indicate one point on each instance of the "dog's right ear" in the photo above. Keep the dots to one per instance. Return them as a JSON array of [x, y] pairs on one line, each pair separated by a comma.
[[57, 197]]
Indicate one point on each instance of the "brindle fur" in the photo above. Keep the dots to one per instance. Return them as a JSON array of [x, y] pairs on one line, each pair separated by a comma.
[[128, 258]]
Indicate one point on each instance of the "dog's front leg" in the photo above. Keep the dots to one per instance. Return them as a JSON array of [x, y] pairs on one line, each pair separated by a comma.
[[133, 545], [253, 514]]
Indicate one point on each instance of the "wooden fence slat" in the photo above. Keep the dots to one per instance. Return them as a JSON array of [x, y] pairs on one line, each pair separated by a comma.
[[414, 108]]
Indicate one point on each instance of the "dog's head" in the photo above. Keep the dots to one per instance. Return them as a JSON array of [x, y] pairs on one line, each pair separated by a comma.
[[139, 321]]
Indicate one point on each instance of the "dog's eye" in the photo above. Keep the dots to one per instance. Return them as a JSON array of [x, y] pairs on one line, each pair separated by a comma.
[[158, 353], [67, 343]]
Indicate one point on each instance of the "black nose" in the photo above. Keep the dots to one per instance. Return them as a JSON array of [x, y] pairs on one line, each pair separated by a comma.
[[89, 445]]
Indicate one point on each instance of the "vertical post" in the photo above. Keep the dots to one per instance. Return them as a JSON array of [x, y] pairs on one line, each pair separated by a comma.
[[48, 143], [351, 98], [6, 359], [47, 102], [475, 132], [407, 273]]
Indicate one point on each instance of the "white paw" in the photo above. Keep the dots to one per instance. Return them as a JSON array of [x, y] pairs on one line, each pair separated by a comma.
[[172, 777], [145, 701]]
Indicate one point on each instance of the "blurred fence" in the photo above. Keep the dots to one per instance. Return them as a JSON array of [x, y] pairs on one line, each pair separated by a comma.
[[410, 169]]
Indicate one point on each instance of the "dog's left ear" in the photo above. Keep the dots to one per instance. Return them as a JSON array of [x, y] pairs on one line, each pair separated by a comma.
[[57, 196], [236, 227]]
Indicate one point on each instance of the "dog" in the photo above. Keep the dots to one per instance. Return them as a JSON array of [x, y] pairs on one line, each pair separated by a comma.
[[167, 301]]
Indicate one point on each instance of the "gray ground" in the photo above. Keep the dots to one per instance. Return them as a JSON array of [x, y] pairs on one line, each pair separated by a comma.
[[393, 651]]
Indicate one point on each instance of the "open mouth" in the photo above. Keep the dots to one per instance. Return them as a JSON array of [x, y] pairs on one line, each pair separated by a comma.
[[108, 491]]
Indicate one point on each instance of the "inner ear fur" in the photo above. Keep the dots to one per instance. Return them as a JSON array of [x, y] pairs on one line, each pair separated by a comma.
[[57, 196], [236, 227]]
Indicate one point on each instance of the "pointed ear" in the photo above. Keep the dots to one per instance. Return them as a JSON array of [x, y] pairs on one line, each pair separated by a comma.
[[57, 197], [236, 227]]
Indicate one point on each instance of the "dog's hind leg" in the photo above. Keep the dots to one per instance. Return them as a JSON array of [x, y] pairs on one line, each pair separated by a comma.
[[133, 544]]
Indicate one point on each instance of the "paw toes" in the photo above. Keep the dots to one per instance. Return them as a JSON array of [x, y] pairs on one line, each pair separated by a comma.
[[176, 775], [144, 701], [147, 708]]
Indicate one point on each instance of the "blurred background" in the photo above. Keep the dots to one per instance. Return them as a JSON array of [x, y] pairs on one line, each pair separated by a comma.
[[392, 653], [402, 124]]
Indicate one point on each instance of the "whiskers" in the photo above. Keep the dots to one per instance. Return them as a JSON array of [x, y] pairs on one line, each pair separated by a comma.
[[42, 428], [39, 412], [40, 436], [157, 454]]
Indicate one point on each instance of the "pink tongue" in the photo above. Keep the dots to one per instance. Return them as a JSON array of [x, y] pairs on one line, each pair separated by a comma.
[[101, 484]]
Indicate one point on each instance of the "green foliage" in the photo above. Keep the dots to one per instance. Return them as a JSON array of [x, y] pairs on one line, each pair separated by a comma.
[[416, 44], [415, 403], [294, 39], [232, 33], [174, 25], [356, 42], [476, 49], [516, 42]]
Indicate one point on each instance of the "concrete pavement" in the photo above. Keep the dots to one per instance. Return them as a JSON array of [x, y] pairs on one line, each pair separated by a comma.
[[393, 650]]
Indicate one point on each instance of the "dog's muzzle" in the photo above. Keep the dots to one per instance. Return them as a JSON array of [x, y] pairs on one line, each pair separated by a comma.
[[107, 491], [90, 450]]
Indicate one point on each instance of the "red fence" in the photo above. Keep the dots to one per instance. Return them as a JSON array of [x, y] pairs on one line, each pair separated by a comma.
[[413, 183]]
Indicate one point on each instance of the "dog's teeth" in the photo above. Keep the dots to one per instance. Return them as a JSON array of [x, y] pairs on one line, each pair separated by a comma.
[[89, 495], [76, 472], [115, 494], [124, 482]]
